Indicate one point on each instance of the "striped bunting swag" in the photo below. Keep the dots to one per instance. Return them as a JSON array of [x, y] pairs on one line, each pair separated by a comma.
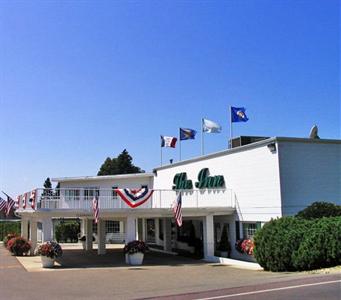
[[134, 197], [32, 199], [95, 208], [24, 201]]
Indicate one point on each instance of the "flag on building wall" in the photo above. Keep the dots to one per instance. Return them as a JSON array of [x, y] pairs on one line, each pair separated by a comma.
[[177, 209], [210, 126], [3, 204], [238, 114], [187, 134], [95, 208], [32, 199], [168, 141]]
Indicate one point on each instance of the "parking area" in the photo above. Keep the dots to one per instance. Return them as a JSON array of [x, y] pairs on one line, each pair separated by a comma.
[[108, 277]]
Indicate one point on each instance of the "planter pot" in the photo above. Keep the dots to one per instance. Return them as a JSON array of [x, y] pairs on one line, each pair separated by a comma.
[[47, 262], [135, 259]]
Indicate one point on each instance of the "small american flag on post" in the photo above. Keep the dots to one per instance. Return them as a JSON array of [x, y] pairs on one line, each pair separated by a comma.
[[95, 208], [177, 209], [10, 204], [3, 204]]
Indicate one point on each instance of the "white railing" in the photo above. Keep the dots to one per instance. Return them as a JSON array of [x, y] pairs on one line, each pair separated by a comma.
[[81, 199]]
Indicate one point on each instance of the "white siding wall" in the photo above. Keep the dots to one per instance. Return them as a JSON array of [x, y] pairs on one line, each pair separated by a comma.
[[252, 175], [309, 172], [109, 183]]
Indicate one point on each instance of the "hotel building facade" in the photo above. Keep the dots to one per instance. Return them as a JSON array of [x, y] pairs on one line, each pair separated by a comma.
[[234, 191]]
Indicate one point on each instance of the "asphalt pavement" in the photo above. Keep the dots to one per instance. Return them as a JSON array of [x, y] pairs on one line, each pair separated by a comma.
[[174, 277]]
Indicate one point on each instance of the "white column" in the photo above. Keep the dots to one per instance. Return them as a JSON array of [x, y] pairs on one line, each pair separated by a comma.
[[144, 230], [88, 234], [33, 235], [157, 231], [131, 229], [167, 232], [208, 236], [101, 236], [47, 230], [24, 228]]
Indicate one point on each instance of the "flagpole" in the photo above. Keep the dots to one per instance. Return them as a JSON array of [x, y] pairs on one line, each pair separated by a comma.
[[230, 144], [161, 156], [180, 149], [202, 136]]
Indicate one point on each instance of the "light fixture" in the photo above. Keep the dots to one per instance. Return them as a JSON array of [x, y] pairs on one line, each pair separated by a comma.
[[272, 147]]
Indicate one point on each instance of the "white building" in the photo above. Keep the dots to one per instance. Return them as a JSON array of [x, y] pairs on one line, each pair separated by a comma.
[[240, 189]]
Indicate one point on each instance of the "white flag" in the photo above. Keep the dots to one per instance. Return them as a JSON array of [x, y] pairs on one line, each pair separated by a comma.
[[210, 126]]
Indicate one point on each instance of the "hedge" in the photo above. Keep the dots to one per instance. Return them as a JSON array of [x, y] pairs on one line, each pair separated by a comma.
[[319, 210], [276, 242], [9, 227], [291, 244], [321, 246], [66, 232]]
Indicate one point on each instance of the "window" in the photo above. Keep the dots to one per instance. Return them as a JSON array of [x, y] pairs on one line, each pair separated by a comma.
[[114, 193], [249, 230], [72, 194], [112, 227], [90, 193]]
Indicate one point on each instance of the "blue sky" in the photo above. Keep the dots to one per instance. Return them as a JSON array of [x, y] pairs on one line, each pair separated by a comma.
[[82, 80]]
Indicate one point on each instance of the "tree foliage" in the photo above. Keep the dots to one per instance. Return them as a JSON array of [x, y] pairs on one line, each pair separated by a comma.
[[122, 164], [319, 210]]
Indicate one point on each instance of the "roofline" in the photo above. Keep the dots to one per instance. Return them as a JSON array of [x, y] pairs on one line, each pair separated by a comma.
[[105, 177], [249, 146]]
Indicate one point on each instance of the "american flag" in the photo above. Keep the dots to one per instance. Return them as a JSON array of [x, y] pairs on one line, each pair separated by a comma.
[[95, 208], [10, 204], [177, 209], [3, 204]]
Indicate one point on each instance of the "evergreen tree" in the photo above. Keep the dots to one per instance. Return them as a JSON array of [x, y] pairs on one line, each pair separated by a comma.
[[47, 187], [122, 164]]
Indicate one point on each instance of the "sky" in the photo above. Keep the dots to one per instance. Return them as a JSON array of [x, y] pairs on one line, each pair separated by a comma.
[[82, 80]]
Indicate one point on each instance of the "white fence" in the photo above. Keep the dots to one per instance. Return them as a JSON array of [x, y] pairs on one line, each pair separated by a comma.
[[108, 199]]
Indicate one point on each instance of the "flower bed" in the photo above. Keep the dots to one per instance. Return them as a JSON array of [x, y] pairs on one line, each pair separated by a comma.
[[245, 246]]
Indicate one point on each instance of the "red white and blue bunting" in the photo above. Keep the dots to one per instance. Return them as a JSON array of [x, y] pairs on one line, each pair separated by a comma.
[[134, 197]]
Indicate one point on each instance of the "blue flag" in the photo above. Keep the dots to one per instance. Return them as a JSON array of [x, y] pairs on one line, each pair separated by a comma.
[[238, 114], [187, 134]]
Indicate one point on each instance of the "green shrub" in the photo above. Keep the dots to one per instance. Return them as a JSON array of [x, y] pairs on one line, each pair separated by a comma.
[[321, 245], [7, 227], [67, 231], [276, 242], [319, 210]]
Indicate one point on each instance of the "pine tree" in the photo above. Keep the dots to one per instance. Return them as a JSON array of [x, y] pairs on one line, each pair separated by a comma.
[[122, 164], [47, 187]]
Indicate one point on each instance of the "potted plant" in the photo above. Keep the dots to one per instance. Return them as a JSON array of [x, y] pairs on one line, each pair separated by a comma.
[[135, 251], [224, 245], [18, 246], [82, 239], [48, 252]]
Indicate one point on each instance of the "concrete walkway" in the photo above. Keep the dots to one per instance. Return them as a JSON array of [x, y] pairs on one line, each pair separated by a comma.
[[74, 257]]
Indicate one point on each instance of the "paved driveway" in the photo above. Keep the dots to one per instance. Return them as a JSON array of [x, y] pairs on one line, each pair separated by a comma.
[[174, 275]]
